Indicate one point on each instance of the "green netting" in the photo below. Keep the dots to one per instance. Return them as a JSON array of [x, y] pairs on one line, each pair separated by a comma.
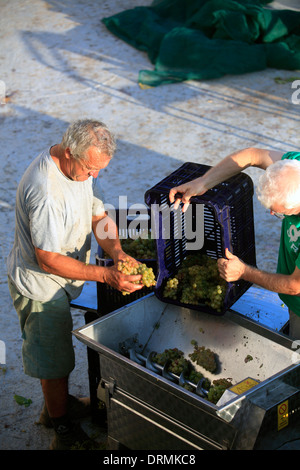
[[204, 39]]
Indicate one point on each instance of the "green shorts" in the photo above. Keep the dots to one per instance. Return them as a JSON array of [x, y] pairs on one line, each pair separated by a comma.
[[47, 349]]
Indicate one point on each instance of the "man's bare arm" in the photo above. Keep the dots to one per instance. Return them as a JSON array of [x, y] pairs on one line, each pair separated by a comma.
[[226, 168], [106, 233], [232, 269], [70, 268]]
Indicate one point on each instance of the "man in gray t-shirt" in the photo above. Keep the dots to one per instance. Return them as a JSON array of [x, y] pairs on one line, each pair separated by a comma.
[[53, 214], [58, 206]]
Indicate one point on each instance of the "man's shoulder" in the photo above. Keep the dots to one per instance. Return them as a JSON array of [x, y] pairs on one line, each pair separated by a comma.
[[35, 177], [39, 164]]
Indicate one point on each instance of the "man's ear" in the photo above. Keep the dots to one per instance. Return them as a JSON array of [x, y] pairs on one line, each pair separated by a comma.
[[68, 154]]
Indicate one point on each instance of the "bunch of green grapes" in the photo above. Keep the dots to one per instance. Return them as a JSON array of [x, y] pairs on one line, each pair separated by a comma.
[[131, 267], [216, 296], [194, 376], [140, 248], [178, 365], [197, 281], [148, 277], [167, 355], [128, 266], [225, 383], [171, 288], [176, 358], [197, 285], [216, 391], [204, 357]]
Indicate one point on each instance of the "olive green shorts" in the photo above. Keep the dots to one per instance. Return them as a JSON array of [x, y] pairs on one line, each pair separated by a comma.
[[46, 327]]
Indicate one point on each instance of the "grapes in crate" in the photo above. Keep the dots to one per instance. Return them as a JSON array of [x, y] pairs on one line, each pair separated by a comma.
[[197, 281], [138, 248]]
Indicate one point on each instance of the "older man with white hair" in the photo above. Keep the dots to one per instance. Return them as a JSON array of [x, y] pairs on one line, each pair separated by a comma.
[[279, 191], [58, 207]]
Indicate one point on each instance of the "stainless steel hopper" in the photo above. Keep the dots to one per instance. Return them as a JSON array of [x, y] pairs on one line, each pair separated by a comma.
[[147, 409]]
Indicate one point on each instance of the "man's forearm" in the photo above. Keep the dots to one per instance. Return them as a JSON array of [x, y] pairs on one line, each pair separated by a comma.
[[237, 162], [70, 268], [111, 246], [228, 167], [106, 233], [280, 283]]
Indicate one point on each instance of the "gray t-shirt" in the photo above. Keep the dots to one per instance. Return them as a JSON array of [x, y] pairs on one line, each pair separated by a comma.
[[53, 213]]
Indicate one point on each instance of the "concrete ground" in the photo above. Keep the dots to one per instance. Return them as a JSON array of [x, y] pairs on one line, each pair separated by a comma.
[[58, 63]]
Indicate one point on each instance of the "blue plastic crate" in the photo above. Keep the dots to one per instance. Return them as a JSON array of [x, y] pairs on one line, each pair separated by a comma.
[[228, 223]]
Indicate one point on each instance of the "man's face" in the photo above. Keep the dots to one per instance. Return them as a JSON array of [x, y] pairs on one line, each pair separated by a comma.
[[81, 171]]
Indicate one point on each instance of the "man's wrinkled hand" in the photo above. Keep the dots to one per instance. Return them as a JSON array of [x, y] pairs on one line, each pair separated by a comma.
[[122, 282], [231, 268], [184, 192]]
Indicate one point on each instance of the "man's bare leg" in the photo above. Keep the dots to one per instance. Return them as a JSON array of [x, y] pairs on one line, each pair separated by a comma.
[[56, 396], [67, 434]]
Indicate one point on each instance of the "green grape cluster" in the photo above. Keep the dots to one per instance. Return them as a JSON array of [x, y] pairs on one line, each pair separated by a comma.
[[171, 288], [131, 267], [194, 376], [175, 357], [178, 364], [216, 391], [197, 281], [140, 248], [204, 357], [167, 355], [148, 277]]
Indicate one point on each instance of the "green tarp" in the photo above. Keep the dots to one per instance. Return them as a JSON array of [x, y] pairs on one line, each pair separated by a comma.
[[204, 39]]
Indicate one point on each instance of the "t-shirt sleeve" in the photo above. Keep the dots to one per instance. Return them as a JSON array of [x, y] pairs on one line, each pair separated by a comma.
[[291, 156], [98, 198], [46, 220]]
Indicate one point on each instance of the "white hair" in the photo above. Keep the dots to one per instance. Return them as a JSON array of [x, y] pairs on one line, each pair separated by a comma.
[[84, 133], [280, 184]]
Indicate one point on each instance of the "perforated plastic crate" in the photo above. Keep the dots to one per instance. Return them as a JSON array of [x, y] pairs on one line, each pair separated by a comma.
[[227, 222], [131, 224]]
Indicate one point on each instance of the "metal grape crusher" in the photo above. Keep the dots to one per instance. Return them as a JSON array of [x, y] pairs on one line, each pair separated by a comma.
[[152, 406]]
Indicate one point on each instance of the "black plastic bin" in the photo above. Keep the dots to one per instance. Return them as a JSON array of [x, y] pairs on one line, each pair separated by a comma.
[[228, 223], [108, 298]]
